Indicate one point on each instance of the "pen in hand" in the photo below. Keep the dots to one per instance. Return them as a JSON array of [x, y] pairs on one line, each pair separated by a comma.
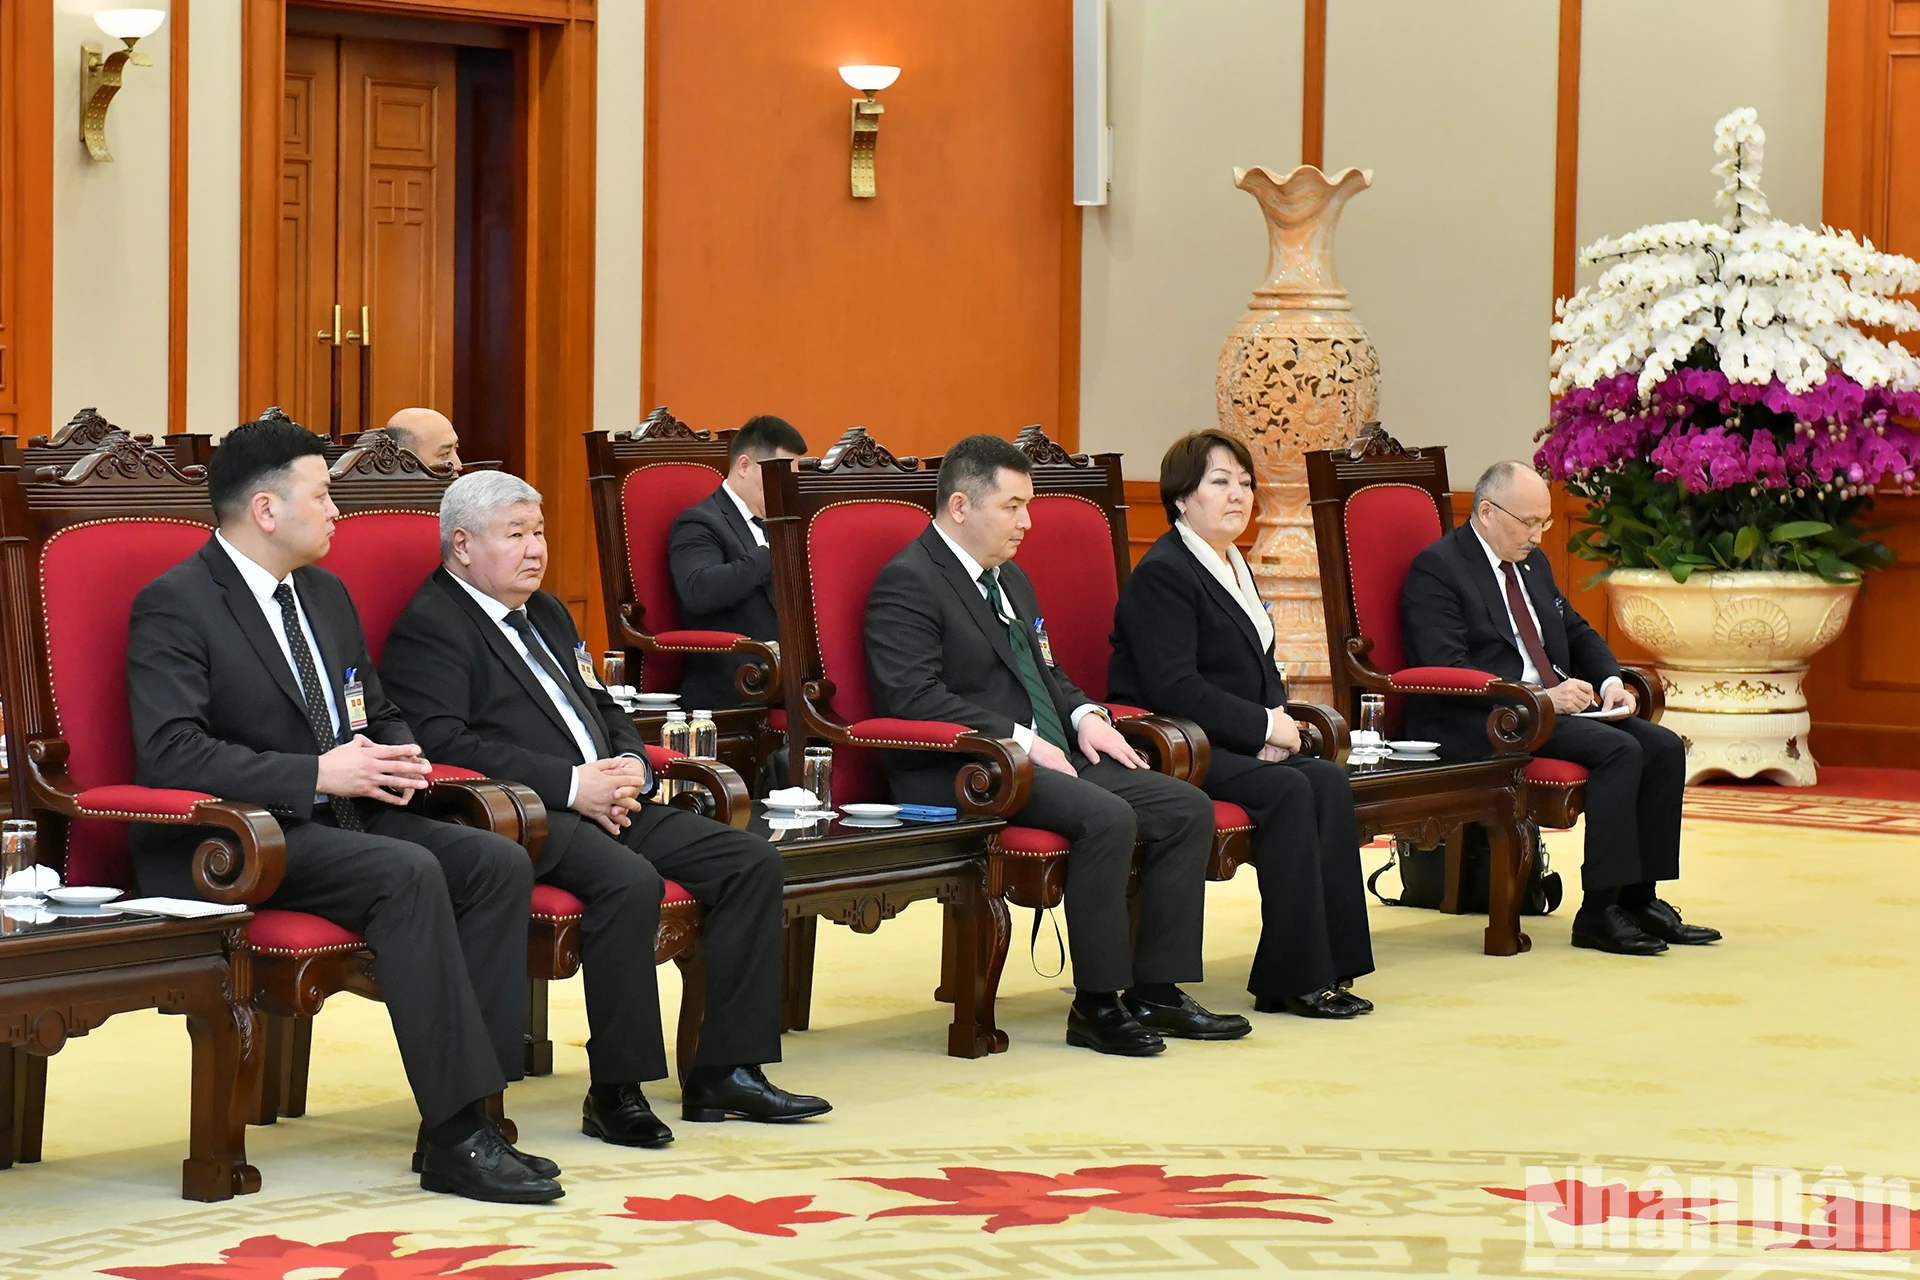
[[1591, 706]]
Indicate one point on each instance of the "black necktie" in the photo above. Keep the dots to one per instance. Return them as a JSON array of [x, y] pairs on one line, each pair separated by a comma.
[[345, 812], [1046, 720], [518, 620], [760, 527]]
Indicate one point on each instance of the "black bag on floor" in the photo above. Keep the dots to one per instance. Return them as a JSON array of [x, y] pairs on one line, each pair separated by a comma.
[[1423, 875]]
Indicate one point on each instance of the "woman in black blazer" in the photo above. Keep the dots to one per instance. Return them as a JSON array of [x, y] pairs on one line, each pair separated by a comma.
[[1191, 638]]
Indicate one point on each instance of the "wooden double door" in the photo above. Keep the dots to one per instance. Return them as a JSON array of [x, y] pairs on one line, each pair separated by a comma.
[[368, 213]]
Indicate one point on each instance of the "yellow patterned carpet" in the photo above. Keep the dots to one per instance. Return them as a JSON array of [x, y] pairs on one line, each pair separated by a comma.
[[1745, 1108]]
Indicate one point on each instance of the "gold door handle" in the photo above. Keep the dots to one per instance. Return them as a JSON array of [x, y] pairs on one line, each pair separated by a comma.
[[365, 335], [332, 336]]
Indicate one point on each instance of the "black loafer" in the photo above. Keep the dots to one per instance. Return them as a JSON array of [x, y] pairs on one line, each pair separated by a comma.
[[620, 1114], [1315, 1004], [1360, 1003], [484, 1168], [1661, 920], [744, 1093], [1110, 1027], [1186, 1020], [1609, 928], [540, 1165]]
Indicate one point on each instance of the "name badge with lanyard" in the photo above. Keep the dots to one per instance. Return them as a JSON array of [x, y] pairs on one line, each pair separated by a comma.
[[355, 694], [585, 663], [1040, 638]]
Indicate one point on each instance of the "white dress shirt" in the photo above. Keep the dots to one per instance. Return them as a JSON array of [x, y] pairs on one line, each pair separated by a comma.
[[1022, 733], [263, 584], [754, 525], [582, 738], [1528, 673]]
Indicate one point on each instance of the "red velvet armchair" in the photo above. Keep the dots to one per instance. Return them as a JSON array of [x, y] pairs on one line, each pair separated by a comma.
[[1376, 505], [641, 481]]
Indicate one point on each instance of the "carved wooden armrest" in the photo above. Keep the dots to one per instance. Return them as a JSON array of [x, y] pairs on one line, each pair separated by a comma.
[[1177, 747], [1649, 692], [732, 804], [243, 860], [996, 785], [757, 680], [1522, 716], [1323, 731], [507, 809]]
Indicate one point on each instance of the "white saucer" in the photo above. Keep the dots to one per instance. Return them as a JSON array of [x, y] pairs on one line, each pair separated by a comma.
[[80, 895], [870, 810], [1415, 746], [654, 699], [871, 823]]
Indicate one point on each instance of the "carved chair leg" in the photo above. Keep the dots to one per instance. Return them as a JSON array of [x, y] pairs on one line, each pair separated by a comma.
[[293, 1095], [996, 937], [693, 1007], [216, 1167], [275, 1034], [1509, 857], [1456, 847], [951, 946], [23, 1105], [796, 996], [539, 1061]]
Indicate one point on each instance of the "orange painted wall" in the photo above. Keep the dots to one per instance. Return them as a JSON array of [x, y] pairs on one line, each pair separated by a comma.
[[946, 305]]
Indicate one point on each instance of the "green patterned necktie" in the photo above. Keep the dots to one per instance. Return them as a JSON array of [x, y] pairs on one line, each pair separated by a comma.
[[1046, 720]]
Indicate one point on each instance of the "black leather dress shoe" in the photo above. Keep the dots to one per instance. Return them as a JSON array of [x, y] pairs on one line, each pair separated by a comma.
[[1661, 920], [1186, 1020], [540, 1165], [1611, 928], [1316, 1004], [484, 1168], [620, 1114], [1360, 1003], [744, 1093], [1110, 1027]]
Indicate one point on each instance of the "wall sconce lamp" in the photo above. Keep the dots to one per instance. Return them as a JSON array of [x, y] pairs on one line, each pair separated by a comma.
[[866, 120], [100, 72]]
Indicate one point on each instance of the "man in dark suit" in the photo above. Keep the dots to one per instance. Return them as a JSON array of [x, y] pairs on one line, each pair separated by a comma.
[[1483, 597], [722, 570], [492, 670], [954, 633], [248, 678]]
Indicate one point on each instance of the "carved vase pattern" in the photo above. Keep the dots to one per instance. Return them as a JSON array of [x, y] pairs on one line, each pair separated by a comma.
[[1296, 373]]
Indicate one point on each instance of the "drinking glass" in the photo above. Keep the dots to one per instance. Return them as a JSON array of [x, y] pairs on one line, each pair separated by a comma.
[[19, 840], [1373, 719], [816, 774], [613, 668]]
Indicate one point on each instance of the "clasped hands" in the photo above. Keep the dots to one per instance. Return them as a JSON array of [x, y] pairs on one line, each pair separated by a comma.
[[1097, 737], [386, 771], [1283, 736], [608, 791]]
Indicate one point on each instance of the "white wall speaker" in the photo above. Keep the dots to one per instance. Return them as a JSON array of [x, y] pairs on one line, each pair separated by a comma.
[[1092, 135]]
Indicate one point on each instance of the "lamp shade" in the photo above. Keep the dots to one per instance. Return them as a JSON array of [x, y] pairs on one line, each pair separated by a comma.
[[130, 24], [869, 79]]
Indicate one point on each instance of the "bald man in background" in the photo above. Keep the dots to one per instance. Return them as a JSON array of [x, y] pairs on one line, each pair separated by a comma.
[[428, 435]]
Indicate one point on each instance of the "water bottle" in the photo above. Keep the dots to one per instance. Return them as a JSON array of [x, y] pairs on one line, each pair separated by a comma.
[[706, 736], [675, 735]]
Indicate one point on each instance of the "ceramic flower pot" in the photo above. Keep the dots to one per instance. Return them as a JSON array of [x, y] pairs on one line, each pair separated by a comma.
[[1296, 373], [1731, 650]]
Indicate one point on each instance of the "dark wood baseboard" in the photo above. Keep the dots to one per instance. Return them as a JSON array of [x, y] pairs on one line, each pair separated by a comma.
[[1865, 745]]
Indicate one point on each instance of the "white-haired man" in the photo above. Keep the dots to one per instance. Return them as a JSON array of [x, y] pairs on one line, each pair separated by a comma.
[[492, 673]]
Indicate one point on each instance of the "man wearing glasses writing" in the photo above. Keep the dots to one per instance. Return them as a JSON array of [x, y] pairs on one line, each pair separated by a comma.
[[1483, 597]]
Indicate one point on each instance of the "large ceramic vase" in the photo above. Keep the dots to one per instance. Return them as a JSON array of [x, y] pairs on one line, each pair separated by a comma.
[[1731, 650], [1296, 373]]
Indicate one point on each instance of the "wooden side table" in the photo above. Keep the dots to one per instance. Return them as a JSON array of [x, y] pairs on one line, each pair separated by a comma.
[[63, 976]]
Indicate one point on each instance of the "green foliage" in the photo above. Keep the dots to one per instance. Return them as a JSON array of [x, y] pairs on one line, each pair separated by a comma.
[[1633, 521]]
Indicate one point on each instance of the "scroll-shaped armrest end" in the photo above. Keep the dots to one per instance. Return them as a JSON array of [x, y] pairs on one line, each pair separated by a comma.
[[732, 804], [1323, 731], [508, 809], [1177, 747], [1649, 691]]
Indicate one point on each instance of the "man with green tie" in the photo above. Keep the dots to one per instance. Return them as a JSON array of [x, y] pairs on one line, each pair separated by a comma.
[[954, 633]]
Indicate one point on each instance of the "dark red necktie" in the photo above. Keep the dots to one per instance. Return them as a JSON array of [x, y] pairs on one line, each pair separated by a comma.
[[1523, 623]]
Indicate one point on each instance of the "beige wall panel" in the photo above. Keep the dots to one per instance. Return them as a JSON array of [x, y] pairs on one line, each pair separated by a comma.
[[620, 131], [1195, 88], [110, 235], [1649, 95], [1449, 257], [213, 221]]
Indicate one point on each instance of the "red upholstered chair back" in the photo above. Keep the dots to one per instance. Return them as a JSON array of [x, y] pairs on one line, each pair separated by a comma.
[[651, 499], [848, 543], [89, 576], [383, 557], [1387, 526], [1068, 554]]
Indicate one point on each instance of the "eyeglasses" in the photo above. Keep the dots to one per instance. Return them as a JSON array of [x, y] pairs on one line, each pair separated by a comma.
[[1533, 523]]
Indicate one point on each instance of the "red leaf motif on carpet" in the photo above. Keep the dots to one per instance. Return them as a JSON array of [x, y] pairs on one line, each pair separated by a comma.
[[775, 1217], [362, 1257], [1010, 1198], [1847, 1225], [1583, 1205]]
